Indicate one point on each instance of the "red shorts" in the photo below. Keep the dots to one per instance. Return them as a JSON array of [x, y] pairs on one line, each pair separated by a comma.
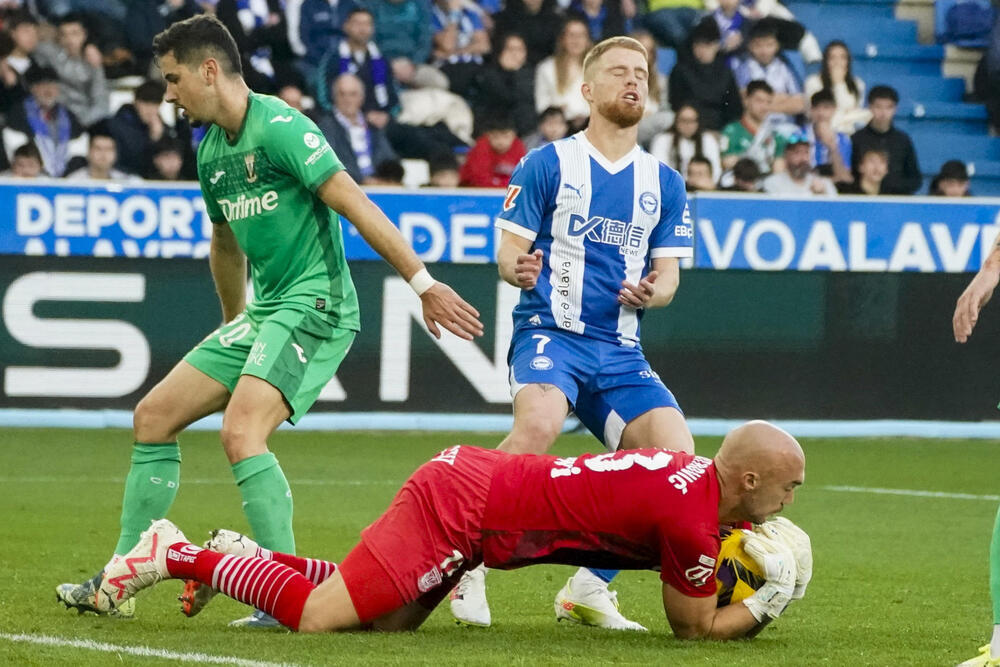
[[429, 536]]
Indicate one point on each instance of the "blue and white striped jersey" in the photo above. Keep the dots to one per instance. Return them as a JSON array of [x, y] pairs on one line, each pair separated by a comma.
[[597, 223]]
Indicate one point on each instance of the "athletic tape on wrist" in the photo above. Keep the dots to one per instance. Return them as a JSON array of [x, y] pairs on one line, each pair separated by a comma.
[[421, 281]]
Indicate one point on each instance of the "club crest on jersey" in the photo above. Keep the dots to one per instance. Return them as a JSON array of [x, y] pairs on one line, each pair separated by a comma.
[[311, 140], [250, 164], [512, 192], [648, 203], [541, 363]]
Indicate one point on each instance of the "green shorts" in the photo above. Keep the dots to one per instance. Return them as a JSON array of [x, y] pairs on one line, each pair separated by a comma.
[[296, 351]]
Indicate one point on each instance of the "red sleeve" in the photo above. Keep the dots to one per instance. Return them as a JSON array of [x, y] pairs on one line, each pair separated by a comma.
[[687, 560]]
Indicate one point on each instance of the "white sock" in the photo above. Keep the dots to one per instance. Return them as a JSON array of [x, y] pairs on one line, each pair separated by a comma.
[[995, 642]]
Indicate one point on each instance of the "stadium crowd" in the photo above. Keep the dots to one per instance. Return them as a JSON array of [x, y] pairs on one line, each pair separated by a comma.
[[465, 87]]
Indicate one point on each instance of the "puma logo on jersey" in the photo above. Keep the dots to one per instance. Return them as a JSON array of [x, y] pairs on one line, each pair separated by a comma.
[[215, 177], [282, 119], [578, 191], [299, 351]]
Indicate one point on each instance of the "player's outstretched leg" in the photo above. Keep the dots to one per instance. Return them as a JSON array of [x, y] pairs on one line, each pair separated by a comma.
[[989, 655], [468, 599], [586, 599]]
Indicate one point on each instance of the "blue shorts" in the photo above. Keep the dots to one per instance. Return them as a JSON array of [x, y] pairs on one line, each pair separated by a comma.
[[607, 385]]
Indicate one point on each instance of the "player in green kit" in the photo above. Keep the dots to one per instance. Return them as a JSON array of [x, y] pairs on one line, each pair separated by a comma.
[[269, 180]]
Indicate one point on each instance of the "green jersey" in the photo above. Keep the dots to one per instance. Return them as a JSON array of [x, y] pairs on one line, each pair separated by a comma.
[[762, 147], [263, 183]]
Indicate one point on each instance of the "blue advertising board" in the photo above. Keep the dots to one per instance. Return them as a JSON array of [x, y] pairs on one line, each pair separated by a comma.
[[732, 231]]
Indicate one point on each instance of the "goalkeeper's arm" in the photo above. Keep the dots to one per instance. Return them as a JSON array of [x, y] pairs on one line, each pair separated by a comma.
[[698, 618]]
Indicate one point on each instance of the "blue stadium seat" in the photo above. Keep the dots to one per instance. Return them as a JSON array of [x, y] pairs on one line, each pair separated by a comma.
[[934, 148], [666, 58], [941, 34], [924, 88], [813, 13]]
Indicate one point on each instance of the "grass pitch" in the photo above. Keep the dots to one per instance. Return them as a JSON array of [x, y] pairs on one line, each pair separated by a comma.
[[899, 579]]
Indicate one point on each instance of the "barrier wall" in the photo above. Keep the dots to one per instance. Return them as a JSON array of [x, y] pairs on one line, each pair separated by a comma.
[[856, 326]]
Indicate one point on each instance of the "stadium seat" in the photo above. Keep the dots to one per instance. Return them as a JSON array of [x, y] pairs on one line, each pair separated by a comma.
[[666, 58], [971, 40]]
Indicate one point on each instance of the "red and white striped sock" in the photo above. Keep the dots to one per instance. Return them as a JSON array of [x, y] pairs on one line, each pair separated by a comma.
[[314, 569], [268, 585]]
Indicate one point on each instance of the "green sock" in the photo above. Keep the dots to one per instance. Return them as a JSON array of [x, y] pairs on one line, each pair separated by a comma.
[[995, 569], [150, 488], [267, 501]]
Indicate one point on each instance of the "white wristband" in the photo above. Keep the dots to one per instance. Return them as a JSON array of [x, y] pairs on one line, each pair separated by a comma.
[[421, 281]]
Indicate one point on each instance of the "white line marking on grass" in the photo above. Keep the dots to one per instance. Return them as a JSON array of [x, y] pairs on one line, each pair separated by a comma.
[[219, 481], [912, 492], [139, 651]]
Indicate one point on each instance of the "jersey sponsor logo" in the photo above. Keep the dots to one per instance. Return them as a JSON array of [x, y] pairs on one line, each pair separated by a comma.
[[317, 154], [649, 203], [699, 574], [684, 231], [300, 352], [216, 176], [541, 363], [689, 474], [578, 191], [447, 456], [628, 236], [311, 140], [257, 356], [512, 192], [282, 119], [245, 207], [249, 161]]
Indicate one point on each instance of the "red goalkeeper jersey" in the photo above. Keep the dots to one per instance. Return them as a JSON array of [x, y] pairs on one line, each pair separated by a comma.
[[634, 509]]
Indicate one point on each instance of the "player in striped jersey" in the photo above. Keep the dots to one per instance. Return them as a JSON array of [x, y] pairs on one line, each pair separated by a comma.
[[593, 228]]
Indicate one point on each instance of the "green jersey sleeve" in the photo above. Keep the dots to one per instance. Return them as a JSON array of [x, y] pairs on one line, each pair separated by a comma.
[[301, 149]]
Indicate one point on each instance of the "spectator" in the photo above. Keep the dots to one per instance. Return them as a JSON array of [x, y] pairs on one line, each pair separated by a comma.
[[904, 170], [702, 78], [873, 167], [792, 35], [552, 125], [698, 176], [146, 19], [951, 181], [603, 17], [658, 116], [460, 41], [671, 21], [744, 177], [359, 144], [83, 89], [26, 162], [357, 54], [23, 28], [136, 127], [402, 29], [101, 156], [755, 135], [492, 160], [261, 35], [293, 96], [762, 62], [508, 83], [798, 178], [734, 24], [537, 21], [831, 149], [167, 160], [55, 130], [314, 28], [559, 77], [444, 171], [431, 119], [987, 77], [848, 90], [686, 140], [388, 172]]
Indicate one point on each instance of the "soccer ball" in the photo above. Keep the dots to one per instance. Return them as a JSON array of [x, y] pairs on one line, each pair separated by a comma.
[[737, 575]]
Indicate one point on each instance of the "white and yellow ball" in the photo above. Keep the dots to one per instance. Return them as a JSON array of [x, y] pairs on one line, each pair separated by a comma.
[[737, 575]]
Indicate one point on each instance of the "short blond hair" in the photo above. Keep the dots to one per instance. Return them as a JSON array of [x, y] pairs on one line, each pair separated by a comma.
[[620, 42]]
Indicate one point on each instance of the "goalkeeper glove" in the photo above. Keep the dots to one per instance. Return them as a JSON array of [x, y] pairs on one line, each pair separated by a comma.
[[796, 539], [778, 564]]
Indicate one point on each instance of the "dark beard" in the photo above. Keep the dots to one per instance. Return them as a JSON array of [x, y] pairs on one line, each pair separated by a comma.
[[621, 115]]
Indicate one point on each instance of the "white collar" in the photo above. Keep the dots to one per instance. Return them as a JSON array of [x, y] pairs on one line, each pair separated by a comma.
[[608, 165]]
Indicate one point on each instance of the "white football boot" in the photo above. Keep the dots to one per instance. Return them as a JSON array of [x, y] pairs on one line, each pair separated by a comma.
[[468, 599], [82, 598], [196, 594], [585, 599], [142, 567]]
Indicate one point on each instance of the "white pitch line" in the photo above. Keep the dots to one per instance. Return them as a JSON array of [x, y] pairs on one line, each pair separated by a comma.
[[139, 651], [912, 492], [219, 481]]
